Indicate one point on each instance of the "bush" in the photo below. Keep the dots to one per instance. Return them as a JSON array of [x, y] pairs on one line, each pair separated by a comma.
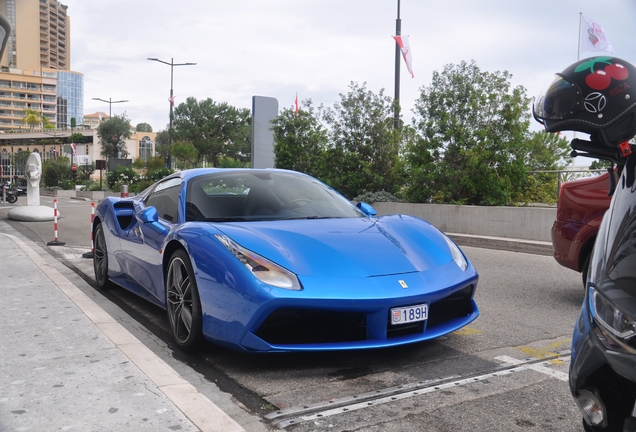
[[54, 172], [94, 186], [157, 174], [66, 184], [140, 186], [372, 197], [122, 175]]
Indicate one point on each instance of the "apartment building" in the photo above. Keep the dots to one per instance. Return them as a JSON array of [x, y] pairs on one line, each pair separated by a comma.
[[35, 68]]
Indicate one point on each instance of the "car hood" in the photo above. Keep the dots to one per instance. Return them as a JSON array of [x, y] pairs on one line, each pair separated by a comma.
[[349, 247]]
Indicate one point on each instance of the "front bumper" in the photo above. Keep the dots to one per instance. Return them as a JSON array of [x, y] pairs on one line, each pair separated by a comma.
[[309, 329], [594, 367]]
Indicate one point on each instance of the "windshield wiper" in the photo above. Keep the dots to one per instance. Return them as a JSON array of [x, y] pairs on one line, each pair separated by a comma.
[[225, 219], [315, 217]]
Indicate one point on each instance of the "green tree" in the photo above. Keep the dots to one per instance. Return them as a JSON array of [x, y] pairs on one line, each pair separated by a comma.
[[215, 129], [32, 118], [471, 147], [113, 134], [85, 170], [186, 153], [228, 162], [299, 140], [600, 164], [143, 127], [151, 163], [20, 160], [54, 172], [545, 152], [76, 138], [364, 149], [162, 145]]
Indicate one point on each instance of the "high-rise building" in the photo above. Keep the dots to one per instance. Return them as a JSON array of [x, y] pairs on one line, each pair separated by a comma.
[[41, 34], [35, 70]]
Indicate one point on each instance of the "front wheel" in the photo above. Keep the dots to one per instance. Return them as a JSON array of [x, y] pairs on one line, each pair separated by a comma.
[[100, 258], [182, 302], [11, 198]]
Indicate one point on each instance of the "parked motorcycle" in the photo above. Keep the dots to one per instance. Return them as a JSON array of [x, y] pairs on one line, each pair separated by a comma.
[[597, 96], [10, 193]]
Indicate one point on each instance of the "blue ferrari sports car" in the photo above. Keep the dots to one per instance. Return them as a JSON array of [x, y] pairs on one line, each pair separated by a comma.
[[273, 260]]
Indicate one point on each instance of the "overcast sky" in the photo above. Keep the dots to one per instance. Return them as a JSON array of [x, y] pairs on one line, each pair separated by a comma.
[[315, 48]]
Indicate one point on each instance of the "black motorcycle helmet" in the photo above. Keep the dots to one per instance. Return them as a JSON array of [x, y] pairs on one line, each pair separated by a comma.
[[595, 96]]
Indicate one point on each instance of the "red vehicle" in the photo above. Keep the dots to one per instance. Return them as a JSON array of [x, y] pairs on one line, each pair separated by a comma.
[[582, 204]]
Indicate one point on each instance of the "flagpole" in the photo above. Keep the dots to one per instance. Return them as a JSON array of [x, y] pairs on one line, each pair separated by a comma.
[[578, 52], [398, 32], [578, 57]]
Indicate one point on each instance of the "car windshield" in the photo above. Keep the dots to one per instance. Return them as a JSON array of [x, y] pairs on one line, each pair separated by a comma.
[[261, 195]]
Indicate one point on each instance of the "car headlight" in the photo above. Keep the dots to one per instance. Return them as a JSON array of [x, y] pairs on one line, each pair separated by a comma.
[[458, 256], [611, 317], [265, 270]]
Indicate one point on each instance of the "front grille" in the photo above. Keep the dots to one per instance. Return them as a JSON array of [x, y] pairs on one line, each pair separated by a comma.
[[404, 329], [456, 305], [308, 326]]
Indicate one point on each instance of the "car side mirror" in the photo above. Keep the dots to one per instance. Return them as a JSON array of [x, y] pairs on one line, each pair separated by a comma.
[[367, 209], [150, 217]]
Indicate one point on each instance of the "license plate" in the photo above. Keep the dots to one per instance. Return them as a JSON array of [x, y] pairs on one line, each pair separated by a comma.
[[405, 315]]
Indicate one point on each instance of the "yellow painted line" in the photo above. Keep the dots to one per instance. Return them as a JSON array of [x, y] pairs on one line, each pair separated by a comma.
[[546, 351], [467, 331]]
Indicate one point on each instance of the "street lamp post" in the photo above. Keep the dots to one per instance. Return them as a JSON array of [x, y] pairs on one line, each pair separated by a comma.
[[172, 64], [398, 32], [110, 103]]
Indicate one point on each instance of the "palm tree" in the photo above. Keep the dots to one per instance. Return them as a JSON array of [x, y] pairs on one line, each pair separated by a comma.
[[32, 118], [47, 124]]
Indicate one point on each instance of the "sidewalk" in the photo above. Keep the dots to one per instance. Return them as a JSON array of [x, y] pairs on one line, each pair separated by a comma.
[[66, 364]]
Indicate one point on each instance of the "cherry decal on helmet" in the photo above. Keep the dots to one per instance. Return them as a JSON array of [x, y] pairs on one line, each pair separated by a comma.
[[600, 79]]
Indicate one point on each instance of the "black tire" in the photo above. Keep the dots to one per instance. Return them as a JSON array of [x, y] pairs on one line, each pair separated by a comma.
[[183, 305], [100, 258], [584, 269], [12, 198]]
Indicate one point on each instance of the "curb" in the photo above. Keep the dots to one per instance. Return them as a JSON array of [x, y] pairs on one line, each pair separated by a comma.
[[501, 243]]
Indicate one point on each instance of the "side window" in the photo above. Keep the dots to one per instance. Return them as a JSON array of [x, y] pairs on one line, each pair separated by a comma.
[[165, 198]]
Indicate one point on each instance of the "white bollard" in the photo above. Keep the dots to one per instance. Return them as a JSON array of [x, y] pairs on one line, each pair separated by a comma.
[[55, 242]]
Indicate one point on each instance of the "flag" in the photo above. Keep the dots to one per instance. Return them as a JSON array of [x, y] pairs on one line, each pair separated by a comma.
[[171, 99], [593, 37], [296, 104], [74, 151], [403, 43]]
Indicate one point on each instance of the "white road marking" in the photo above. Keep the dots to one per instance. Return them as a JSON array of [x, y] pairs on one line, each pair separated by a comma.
[[535, 367]]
